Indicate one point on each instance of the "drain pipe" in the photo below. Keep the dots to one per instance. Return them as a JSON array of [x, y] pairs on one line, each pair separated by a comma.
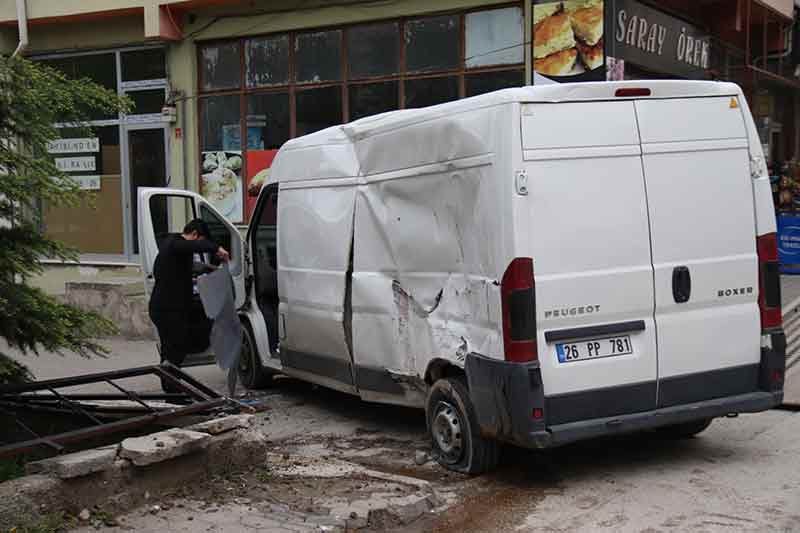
[[22, 21]]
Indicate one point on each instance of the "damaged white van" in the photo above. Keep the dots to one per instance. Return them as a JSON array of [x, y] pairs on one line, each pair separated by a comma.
[[534, 266]]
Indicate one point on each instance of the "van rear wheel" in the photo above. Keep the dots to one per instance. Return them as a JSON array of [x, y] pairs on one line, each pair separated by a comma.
[[686, 429], [452, 425], [251, 373]]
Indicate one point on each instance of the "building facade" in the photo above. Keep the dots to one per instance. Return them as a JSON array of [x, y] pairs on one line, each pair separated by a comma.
[[219, 85]]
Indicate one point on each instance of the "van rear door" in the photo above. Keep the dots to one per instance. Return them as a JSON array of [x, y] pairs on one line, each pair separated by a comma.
[[700, 204], [587, 230]]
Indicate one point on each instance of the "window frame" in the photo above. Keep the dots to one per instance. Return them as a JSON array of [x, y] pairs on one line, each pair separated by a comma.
[[123, 123], [401, 76]]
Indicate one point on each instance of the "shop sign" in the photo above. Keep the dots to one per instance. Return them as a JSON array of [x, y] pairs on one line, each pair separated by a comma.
[[73, 146], [568, 40], [76, 164], [789, 242], [87, 183], [656, 41]]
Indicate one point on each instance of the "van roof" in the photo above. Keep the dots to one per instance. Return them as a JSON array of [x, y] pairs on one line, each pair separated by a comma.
[[317, 147], [557, 92]]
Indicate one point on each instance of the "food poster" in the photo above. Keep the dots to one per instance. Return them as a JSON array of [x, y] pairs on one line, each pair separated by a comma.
[[258, 165], [221, 183], [568, 40]]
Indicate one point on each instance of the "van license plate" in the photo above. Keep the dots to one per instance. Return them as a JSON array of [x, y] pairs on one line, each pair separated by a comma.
[[594, 349]]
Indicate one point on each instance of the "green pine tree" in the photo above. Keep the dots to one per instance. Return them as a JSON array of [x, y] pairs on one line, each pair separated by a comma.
[[33, 98]]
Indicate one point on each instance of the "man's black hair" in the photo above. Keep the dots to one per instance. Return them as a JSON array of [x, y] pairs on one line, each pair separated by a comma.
[[198, 225]]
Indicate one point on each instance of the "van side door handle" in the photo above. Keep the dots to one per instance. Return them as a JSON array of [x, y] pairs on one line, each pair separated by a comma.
[[681, 284]]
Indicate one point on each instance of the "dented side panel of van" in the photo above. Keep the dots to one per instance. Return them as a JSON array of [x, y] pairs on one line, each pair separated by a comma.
[[427, 239]]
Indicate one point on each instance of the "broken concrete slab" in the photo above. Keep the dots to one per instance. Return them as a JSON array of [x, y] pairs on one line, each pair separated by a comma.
[[158, 447], [224, 424], [76, 464], [359, 513], [408, 508]]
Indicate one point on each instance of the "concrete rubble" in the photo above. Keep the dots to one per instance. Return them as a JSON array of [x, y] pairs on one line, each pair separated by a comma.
[[146, 478], [223, 424], [143, 451], [399, 498], [76, 464], [124, 475]]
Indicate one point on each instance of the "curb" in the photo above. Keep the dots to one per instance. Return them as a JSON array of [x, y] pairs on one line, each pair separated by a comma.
[[124, 475]]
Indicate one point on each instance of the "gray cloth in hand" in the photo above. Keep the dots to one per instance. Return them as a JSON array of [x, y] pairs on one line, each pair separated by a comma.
[[216, 293]]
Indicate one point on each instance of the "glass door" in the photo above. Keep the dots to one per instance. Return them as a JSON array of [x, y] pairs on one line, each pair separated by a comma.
[[147, 167]]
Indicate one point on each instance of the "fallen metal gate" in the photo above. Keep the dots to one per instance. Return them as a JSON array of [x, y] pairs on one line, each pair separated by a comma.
[[136, 410]]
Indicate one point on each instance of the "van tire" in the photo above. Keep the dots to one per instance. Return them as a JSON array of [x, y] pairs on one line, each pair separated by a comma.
[[453, 428], [252, 374], [686, 429]]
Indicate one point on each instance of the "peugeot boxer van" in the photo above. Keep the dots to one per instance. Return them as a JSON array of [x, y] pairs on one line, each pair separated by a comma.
[[534, 266]]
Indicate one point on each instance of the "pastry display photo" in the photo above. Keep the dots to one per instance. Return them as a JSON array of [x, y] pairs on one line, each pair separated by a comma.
[[568, 37], [221, 183]]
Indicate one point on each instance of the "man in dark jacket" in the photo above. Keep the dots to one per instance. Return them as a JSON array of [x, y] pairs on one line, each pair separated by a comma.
[[171, 300]]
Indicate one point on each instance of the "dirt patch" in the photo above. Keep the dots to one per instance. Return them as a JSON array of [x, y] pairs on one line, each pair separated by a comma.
[[499, 501]]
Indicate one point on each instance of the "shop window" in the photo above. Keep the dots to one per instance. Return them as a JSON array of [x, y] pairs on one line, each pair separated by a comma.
[[100, 68], [267, 61], [432, 44], [220, 120], [147, 102], [431, 91], [372, 50], [267, 120], [318, 109], [318, 56], [486, 82], [143, 65], [78, 225], [108, 161], [494, 37], [372, 98], [220, 67]]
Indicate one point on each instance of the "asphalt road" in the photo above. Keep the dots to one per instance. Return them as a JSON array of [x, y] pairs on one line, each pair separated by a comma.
[[741, 474]]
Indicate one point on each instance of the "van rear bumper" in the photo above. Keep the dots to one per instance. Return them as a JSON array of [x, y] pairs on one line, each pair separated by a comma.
[[508, 397], [752, 402]]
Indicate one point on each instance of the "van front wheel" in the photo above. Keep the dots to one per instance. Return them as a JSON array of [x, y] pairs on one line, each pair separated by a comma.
[[452, 424], [251, 374]]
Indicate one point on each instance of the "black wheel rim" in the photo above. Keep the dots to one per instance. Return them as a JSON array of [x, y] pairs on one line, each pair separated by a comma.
[[246, 356]]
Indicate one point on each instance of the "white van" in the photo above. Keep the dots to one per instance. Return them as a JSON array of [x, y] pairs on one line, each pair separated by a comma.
[[535, 266]]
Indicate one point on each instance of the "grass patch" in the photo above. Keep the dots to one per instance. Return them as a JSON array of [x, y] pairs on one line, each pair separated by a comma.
[[12, 468], [52, 523], [264, 475]]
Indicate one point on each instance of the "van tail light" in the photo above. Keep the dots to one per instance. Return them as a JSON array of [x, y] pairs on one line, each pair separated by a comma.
[[769, 282], [518, 297]]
